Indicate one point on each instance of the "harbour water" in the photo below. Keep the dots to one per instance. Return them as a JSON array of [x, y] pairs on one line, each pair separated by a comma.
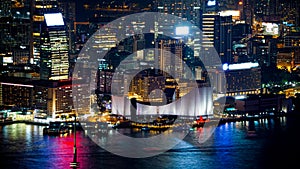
[[276, 144]]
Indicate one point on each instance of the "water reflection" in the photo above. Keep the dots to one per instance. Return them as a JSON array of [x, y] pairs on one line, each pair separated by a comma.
[[25, 146]]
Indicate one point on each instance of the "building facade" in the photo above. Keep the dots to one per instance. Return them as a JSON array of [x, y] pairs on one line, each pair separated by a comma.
[[54, 49], [243, 78]]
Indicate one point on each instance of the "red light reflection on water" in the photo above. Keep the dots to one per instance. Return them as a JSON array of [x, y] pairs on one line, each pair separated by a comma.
[[63, 148]]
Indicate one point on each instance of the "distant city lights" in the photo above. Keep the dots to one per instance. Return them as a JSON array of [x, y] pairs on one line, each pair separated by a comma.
[[240, 66]]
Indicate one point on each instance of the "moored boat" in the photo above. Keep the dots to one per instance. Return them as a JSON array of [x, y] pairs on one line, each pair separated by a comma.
[[56, 128]]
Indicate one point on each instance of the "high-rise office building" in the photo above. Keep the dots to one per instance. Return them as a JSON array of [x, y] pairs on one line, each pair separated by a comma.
[[16, 94], [217, 33], [170, 58], [146, 85], [243, 78], [38, 9], [5, 8], [14, 32], [68, 9], [186, 26], [53, 97], [248, 11], [189, 9], [54, 48], [267, 7], [263, 49]]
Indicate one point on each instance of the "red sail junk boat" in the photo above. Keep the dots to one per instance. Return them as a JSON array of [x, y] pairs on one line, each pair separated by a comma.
[[200, 121]]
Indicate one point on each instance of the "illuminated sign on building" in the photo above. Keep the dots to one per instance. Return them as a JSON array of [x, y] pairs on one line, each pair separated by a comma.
[[234, 13], [8, 59], [182, 30], [211, 3], [240, 66], [270, 28], [54, 19]]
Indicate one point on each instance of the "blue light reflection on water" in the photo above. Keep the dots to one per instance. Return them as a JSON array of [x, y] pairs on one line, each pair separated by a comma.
[[25, 146]]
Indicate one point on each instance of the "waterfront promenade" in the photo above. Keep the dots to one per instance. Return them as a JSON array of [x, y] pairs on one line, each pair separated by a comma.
[[222, 120], [25, 121]]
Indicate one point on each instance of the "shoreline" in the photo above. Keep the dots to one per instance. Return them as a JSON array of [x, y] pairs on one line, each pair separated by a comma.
[[239, 119], [23, 121], [221, 121]]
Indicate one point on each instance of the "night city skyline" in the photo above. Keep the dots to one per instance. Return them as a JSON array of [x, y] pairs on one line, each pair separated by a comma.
[[148, 79]]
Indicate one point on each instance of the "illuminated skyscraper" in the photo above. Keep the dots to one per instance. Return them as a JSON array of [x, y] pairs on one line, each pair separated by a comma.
[[14, 32], [38, 9], [184, 27], [217, 33], [68, 9], [243, 78], [175, 64], [5, 8], [188, 9], [16, 93], [54, 48]]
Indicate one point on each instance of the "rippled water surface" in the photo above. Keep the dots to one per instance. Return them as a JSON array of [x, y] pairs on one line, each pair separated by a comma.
[[276, 145]]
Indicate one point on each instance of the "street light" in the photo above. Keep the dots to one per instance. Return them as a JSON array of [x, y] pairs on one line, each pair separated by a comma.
[[74, 164]]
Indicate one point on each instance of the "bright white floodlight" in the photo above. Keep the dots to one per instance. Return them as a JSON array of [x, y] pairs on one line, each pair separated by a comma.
[[54, 19]]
